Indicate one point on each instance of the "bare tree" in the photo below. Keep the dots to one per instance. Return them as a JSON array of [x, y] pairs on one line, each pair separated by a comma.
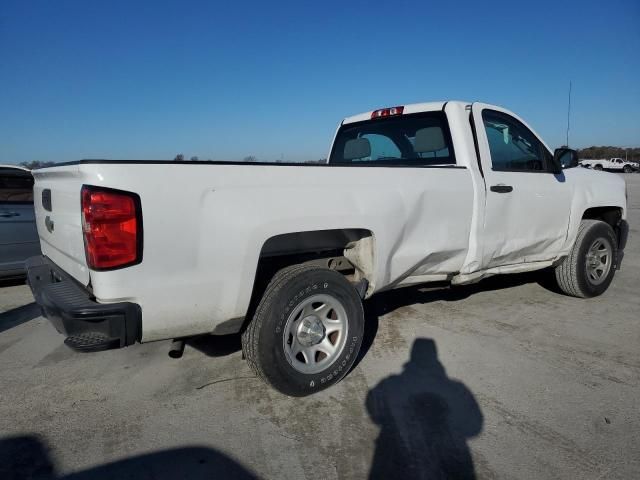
[[179, 158], [194, 158], [250, 158]]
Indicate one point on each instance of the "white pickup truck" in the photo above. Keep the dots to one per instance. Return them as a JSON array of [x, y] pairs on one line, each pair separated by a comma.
[[614, 165], [137, 251]]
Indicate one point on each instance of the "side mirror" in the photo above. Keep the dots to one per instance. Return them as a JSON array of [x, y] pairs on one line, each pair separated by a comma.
[[564, 158]]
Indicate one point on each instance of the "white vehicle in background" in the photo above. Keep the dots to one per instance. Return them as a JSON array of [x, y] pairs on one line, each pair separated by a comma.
[[613, 165], [138, 251]]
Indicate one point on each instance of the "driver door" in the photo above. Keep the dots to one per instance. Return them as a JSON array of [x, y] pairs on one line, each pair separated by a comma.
[[527, 208]]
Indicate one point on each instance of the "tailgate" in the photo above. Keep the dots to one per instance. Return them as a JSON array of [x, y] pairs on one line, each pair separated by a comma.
[[56, 198]]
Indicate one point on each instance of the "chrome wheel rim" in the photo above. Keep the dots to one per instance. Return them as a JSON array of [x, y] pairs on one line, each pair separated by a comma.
[[599, 260], [315, 334]]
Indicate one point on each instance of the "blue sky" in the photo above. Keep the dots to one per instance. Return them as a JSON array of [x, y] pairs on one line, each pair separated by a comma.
[[148, 80]]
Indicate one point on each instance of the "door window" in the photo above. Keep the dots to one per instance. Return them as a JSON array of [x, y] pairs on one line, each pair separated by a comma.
[[513, 146]]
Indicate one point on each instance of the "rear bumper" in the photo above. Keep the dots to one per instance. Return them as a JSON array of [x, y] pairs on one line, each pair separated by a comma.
[[71, 308]]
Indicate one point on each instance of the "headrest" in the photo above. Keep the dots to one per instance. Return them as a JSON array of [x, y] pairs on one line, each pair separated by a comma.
[[429, 139], [356, 148]]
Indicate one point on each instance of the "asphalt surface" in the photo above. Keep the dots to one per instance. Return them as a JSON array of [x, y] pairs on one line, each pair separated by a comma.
[[504, 379]]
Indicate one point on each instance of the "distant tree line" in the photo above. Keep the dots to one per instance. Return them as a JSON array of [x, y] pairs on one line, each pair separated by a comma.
[[609, 152], [37, 164]]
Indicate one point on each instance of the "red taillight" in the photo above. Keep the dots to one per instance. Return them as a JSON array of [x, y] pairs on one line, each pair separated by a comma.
[[387, 112], [111, 222]]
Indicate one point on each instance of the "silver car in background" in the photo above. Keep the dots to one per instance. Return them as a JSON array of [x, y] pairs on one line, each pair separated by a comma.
[[18, 234]]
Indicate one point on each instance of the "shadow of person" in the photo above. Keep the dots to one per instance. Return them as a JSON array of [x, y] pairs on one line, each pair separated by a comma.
[[425, 420], [24, 458], [188, 462], [27, 458]]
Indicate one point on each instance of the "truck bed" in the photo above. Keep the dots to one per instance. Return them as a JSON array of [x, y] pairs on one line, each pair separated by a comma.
[[206, 224]]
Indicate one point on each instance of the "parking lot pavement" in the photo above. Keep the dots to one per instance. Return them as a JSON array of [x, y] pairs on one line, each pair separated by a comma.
[[504, 379]]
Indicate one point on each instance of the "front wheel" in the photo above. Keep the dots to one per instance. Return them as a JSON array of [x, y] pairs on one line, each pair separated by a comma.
[[590, 266], [306, 332]]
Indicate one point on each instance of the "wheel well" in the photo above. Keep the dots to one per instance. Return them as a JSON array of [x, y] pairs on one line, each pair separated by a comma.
[[610, 215], [349, 251]]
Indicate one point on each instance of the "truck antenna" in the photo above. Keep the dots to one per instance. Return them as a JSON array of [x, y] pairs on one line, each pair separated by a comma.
[[568, 112]]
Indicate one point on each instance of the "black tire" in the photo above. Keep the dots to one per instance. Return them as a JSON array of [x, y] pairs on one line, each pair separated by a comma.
[[598, 167], [572, 274], [263, 341], [627, 169]]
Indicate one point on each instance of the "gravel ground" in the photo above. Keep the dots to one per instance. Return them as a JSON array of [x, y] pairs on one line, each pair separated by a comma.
[[504, 379]]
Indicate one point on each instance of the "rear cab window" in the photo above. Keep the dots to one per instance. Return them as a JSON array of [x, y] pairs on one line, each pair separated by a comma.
[[16, 186], [413, 140]]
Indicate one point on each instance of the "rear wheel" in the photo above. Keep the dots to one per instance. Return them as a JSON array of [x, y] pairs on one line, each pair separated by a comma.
[[627, 169], [590, 266], [598, 167], [306, 332]]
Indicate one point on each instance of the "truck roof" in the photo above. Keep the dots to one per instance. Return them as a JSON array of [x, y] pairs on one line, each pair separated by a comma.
[[409, 108]]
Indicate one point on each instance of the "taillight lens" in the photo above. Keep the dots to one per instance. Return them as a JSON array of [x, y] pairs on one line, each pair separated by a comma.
[[112, 226]]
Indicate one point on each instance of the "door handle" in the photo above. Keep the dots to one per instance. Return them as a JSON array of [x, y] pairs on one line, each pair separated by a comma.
[[501, 188], [9, 214]]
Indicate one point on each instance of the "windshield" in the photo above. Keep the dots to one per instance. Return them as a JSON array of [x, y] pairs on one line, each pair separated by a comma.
[[421, 139]]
